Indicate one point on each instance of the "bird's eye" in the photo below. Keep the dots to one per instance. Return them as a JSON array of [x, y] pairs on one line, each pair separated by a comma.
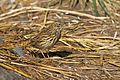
[[59, 24]]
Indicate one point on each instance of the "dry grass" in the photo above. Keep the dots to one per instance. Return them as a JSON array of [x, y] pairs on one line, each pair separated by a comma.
[[93, 42]]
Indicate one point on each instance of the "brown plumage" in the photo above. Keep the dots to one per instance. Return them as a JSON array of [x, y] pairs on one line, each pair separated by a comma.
[[47, 37]]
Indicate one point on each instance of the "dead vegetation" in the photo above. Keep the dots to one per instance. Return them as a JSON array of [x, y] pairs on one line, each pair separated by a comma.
[[89, 47]]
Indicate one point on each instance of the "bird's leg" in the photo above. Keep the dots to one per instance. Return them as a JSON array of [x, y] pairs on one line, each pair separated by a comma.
[[47, 51], [48, 55], [42, 54]]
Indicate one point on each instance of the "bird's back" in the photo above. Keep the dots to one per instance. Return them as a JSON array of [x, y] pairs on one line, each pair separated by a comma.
[[47, 37]]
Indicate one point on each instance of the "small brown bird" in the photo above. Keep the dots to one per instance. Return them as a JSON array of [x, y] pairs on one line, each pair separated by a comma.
[[47, 37]]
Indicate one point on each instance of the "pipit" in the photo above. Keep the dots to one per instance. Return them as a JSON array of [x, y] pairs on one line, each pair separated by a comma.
[[47, 37]]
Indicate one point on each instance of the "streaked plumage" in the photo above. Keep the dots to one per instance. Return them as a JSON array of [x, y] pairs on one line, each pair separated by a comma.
[[47, 37]]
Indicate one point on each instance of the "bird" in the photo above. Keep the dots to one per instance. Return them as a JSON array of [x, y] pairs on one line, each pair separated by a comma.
[[48, 36]]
